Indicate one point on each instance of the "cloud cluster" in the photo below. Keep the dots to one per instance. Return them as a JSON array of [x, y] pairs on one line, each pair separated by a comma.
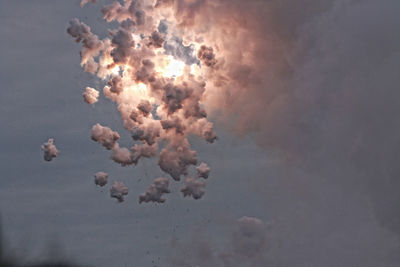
[[49, 149], [155, 78]]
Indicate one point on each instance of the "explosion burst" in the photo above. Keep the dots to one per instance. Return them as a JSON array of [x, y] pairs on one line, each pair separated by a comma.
[[158, 84]]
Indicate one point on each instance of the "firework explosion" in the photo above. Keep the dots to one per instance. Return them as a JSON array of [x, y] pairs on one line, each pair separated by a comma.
[[159, 85]]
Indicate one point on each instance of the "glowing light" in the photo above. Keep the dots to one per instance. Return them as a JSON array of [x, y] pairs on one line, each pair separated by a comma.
[[174, 68], [139, 88], [115, 70]]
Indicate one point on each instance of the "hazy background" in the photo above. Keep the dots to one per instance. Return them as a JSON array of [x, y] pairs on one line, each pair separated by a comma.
[[333, 203]]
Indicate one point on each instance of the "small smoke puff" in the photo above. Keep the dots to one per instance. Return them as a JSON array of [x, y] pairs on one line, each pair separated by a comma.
[[91, 43], [193, 187], [156, 40], [115, 84], [207, 56], [173, 123], [249, 238], [145, 107], [118, 190], [100, 178], [128, 24], [155, 191], [203, 170], [144, 150], [148, 133], [207, 131], [123, 43], [176, 157], [105, 136], [122, 155], [84, 2], [90, 95], [50, 150]]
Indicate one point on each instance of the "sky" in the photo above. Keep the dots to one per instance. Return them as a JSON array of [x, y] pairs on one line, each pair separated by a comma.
[[304, 171]]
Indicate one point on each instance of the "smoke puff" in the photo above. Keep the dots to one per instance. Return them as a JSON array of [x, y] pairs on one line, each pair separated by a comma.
[[115, 85], [173, 123], [155, 191], [84, 2], [249, 238], [123, 43], [91, 43], [118, 190], [193, 187], [100, 178], [145, 107], [156, 40], [144, 150], [207, 56], [105, 136], [122, 155], [203, 170], [176, 157], [50, 150], [90, 95], [148, 133]]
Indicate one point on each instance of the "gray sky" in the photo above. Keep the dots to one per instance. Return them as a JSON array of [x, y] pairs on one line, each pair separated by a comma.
[[329, 199]]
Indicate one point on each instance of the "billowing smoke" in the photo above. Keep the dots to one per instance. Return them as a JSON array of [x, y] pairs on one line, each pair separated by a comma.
[[100, 178], [152, 73], [314, 81], [118, 190], [49, 149]]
